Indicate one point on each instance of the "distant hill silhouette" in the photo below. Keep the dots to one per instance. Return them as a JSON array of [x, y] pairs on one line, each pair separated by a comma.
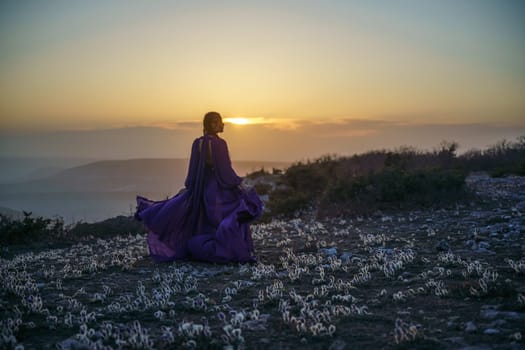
[[15, 214], [165, 176], [18, 169]]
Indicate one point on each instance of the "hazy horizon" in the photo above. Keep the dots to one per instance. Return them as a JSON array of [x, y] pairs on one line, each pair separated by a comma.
[[259, 142], [97, 190]]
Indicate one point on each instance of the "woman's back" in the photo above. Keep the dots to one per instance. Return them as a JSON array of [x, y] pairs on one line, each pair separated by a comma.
[[209, 220]]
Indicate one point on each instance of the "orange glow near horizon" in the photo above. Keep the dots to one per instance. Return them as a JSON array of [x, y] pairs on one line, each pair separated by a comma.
[[238, 121], [246, 121]]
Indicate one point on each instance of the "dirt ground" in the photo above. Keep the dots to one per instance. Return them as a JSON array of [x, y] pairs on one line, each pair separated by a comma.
[[452, 278]]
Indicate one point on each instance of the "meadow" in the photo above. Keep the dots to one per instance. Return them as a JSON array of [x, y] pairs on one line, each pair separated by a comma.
[[438, 278]]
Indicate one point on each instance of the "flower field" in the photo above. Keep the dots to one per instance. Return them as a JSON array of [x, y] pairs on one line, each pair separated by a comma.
[[449, 278]]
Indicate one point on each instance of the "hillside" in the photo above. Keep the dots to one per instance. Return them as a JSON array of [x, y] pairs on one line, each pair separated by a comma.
[[425, 279], [132, 175]]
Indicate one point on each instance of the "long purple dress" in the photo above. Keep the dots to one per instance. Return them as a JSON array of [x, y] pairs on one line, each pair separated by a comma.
[[209, 219]]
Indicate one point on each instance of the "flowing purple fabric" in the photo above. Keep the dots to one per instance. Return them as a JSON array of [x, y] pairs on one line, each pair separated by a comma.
[[209, 219]]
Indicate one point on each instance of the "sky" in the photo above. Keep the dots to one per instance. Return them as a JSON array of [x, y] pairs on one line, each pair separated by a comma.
[[331, 76]]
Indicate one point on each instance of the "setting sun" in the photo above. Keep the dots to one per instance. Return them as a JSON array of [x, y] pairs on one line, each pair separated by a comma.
[[238, 121]]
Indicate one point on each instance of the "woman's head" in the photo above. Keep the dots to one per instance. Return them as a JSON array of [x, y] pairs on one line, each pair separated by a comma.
[[212, 123]]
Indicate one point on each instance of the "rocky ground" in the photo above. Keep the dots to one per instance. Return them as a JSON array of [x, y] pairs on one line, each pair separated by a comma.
[[439, 279]]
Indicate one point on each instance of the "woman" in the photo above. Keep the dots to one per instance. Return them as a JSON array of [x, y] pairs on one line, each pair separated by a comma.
[[209, 219]]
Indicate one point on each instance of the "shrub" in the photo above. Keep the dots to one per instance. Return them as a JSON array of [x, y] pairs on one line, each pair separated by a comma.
[[120, 225], [403, 178], [288, 202], [501, 159], [394, 188], [29, 229], [262, 188]]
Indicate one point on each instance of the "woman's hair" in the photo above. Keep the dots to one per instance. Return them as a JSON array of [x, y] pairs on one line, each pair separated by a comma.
[[209, 118]]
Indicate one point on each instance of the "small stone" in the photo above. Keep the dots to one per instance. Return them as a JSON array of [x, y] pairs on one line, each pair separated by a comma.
[[346, 257], [338, 344], [483, 245], [70, 344], [470, 327], [471, 244], [491, 331], [387, 251], [442, 246], [255, 325], [520, 289], [516, 336], [497, 323], [330, 251], [456, 340], [481, 250], [510, 315]]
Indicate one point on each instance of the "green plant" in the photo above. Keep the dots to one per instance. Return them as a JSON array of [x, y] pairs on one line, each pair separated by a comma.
[[29, 229]]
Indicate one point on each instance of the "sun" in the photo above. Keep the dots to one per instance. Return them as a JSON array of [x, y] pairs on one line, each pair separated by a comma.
[[238, 121]]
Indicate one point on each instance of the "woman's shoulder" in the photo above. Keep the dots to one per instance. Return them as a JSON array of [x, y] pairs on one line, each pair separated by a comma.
[[212, 139], [197, 141]]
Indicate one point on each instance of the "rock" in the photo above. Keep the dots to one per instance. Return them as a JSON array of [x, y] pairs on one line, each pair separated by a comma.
[[471, 244], [456, 340], [485, 230], [484, 251], [346, 257], [406, 275], [520, 289], [442, 246], [520, 206], [255, 325], [338, 344], [387, 251], [72, 344], [483, 245], [491, 331], [264, 317], [510, 315], [490, 307], [515, 336], [330, 251], [497, 323], [470, 327]]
